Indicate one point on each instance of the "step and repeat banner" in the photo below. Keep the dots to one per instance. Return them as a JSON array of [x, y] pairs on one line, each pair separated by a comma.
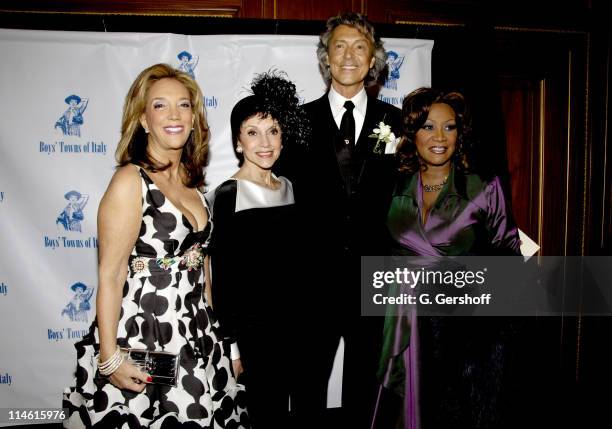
[[62, 94]]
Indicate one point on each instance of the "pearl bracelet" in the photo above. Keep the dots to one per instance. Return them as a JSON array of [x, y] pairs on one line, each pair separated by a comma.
[[113, 363]]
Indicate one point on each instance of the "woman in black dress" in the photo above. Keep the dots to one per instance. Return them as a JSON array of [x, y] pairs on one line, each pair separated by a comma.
[[254, 232]]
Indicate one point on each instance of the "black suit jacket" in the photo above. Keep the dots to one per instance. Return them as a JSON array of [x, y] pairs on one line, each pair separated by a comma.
[[340, 221]]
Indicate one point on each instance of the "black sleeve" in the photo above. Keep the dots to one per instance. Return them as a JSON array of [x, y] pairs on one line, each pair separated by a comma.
[[222, 242]]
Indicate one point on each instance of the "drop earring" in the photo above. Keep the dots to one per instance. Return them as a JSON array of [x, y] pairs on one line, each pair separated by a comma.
[[239, 149]]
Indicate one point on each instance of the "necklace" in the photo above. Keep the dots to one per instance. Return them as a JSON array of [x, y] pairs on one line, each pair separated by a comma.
[[434, 188]]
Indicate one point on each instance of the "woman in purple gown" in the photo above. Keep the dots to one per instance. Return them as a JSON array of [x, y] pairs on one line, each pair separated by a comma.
[[443, 371]]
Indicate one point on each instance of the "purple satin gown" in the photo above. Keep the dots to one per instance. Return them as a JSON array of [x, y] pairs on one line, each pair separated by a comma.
[[469, 217]]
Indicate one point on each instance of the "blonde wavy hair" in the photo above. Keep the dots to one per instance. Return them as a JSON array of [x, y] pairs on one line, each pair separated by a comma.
[[132, 147]]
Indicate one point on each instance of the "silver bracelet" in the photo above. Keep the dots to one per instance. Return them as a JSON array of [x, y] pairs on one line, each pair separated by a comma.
[[113, 363]]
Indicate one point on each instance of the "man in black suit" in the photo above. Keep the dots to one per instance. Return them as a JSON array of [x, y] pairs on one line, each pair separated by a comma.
[[343, 183]]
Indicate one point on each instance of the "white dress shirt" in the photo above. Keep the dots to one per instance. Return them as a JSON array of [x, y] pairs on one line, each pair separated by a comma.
[[360, 100]]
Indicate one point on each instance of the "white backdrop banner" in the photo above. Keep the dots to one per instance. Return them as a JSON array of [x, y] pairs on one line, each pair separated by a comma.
[[63, 93]]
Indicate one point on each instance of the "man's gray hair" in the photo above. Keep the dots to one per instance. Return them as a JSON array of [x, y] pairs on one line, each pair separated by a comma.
[[366, 28]]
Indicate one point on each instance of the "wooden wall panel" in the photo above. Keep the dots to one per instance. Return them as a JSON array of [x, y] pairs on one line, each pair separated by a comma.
[[544, 85], [314, 10], [603, 235], [382, 11], [521, 107], [257, 9], [599, 222], [510, 12], [218, 8], [401, 12]]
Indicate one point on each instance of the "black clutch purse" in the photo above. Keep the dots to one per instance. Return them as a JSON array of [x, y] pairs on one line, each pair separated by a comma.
[[163, 367]]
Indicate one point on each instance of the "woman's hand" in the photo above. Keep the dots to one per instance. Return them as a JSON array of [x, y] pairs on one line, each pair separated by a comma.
[[237, 367], [129, 377]]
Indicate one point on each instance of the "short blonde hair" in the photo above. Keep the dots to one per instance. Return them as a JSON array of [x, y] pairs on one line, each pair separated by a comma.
[[132, 147]]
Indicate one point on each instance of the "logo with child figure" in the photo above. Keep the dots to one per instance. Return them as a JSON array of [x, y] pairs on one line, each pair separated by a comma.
[[71, 120], [78, 307], [72, 215], [394, 62], [187, 63]]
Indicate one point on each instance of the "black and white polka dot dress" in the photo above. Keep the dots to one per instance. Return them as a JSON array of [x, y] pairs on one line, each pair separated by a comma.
[[163, 308]]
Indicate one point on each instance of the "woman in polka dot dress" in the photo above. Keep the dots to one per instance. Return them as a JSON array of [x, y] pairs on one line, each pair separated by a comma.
[[153, 227]]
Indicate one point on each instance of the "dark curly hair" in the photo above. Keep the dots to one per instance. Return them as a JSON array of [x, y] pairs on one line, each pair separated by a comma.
[[415, 110], [274, 96]]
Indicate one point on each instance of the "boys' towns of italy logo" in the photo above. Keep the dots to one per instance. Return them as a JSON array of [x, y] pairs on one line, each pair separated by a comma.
[[394, 62], [72, 214], [69, 220], [77, 310], [78, 307], [71, 120], [187, 63]]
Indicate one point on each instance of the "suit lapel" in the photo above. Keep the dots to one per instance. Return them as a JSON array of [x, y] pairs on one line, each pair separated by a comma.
[[330, 137], [374, 115], [365, 144], [367, 128]]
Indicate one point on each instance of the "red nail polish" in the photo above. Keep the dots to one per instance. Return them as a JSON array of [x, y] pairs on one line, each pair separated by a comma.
[[149, 379]]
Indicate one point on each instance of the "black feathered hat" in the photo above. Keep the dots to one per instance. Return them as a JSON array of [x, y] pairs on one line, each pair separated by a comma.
[[273, 95]]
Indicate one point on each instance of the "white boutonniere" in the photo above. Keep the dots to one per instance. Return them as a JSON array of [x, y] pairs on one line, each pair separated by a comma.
[[386, 142]]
